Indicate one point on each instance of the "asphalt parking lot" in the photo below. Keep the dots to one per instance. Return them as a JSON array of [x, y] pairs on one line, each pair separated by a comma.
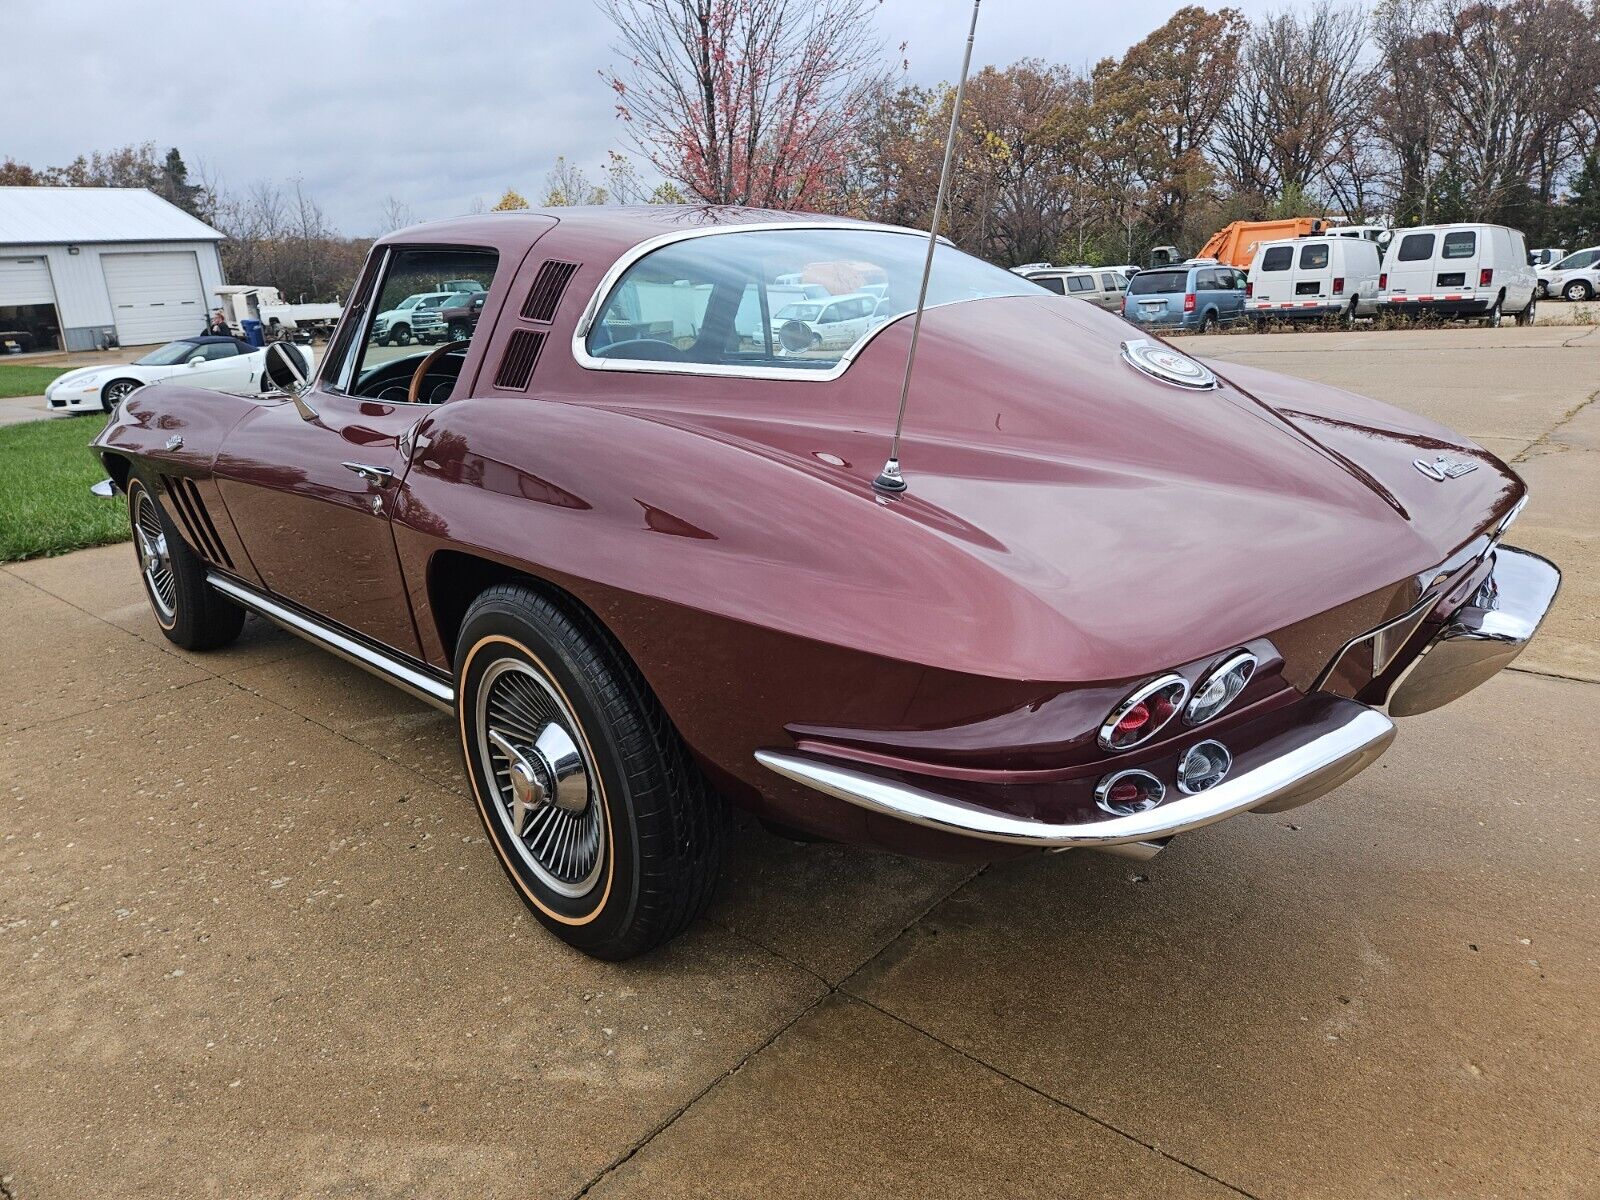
[[254, 943]]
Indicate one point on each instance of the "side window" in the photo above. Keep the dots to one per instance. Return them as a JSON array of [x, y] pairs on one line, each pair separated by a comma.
[[1111, 283], [401, 325], [832, 315], [215, 350], [1313, 257], [1278, 258], [1416, 247], [1053, 282], [1080, 283], [1205, 281], [1461, 244]]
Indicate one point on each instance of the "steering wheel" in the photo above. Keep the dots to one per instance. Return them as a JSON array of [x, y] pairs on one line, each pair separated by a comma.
[[423, 367], [643, 348]]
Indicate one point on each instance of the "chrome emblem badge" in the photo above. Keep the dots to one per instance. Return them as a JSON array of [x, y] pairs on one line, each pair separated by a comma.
[[1166, 364], [175, 442], [1441, 468]]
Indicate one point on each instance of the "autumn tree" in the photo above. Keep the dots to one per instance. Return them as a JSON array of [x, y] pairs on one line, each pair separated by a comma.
[[510, 201], [566, 184], [744, 101]]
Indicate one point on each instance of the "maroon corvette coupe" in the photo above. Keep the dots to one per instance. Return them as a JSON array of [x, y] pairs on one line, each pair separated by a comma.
[[627, 533]]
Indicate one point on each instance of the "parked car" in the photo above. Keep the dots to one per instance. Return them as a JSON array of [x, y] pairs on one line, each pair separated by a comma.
[[460, 314], [1124, 596], [1314, 277], [1102, 287], [1545, 256], [1573, 277], [1461, 271], [810, 326], [1191, 295], [222, 364], [416, 318]]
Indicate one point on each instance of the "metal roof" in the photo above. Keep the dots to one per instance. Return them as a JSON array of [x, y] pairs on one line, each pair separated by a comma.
[[49, 216]]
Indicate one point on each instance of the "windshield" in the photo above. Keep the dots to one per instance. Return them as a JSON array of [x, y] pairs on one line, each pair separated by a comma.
[[169, 355], [1158, 283], [719, 300]]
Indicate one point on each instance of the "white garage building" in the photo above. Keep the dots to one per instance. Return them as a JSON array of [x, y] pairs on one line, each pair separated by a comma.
[[80, 264]]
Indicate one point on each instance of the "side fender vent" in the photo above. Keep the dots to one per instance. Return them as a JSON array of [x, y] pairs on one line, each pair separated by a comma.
[[191, 512], [544, 297], [521, 356]]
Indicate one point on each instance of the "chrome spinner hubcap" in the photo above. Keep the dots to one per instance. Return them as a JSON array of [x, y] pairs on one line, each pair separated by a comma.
[[155, 561], [543, 779]]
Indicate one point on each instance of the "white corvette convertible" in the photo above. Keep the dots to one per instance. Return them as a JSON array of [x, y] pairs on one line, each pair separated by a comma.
[[223, 364]]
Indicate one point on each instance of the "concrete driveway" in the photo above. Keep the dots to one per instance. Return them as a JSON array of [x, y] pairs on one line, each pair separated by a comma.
[[253, 942]]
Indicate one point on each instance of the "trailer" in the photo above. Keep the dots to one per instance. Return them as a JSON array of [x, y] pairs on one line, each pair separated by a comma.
[[279, 319]]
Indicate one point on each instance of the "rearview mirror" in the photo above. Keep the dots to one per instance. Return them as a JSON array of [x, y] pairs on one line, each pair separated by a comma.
[[285, 369]]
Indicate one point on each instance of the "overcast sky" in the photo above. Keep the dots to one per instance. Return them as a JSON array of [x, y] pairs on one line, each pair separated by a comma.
[[434, 103]]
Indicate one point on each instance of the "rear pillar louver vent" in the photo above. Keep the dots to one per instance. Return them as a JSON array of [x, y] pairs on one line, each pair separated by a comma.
[[545, 295], [522, 354], [196, 520]]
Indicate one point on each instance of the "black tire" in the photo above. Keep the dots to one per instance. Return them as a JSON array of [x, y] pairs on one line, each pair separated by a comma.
[[526, 666], [400, 335], [1348, 320], [459, 331], [1578, 290], [191, 613], [1529, 313], [115, 392], [1208, 323], [1492, 318]]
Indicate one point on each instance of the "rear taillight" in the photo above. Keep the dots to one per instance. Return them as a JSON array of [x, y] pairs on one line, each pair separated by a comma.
[[1338, 285], [1129, 792], [1485, 277], [1383, 281], [1249, 290], [1188, 302], [1144, 713]]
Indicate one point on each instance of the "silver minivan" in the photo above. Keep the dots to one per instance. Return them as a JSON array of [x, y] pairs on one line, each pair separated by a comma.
[[1100, 286]]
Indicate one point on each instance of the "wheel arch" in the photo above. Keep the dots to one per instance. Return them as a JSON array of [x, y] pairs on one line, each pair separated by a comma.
[[455, 578]]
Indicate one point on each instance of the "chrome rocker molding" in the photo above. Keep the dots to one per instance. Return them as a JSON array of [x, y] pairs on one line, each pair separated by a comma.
[[1302, 770], [390, 667], [1483, 636]]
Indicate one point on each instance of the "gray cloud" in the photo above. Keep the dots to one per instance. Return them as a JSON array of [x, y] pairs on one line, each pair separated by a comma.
[[435, 103]]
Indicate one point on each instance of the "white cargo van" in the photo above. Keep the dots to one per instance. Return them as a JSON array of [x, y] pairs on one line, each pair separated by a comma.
[[1326, 276], [1459, 270]]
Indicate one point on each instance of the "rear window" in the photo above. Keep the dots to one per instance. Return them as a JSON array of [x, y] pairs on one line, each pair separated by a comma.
[[1415, 247], [1460, 245], [1053, 282], [1278, 258], [1313, 258], [1159, 283]]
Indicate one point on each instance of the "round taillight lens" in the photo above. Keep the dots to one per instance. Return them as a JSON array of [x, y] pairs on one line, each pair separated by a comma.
[[1218, 689], [1127, 792], [1203, 767], [1142, 714]]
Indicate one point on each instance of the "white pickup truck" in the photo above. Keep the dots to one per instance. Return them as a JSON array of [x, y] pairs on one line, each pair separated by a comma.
[[258, 302]]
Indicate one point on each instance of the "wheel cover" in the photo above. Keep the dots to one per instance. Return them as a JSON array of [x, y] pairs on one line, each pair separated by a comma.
[[541, 776], [118, 392], [155, 559]]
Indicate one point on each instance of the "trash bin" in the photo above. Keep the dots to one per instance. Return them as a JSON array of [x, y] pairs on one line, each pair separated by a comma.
[[252, 332]]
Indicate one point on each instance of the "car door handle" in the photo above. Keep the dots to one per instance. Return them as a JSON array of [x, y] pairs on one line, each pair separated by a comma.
[[377, 476]]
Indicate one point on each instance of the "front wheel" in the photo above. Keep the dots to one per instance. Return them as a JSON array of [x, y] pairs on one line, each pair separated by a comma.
[[115, 392], [191, 613], [459, 332], [400, 335], [605, 827], [1577, 290]]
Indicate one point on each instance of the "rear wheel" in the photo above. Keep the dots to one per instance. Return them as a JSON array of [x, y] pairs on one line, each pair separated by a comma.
[[603, 824], [1530, 313], [1492, 317], [189, 610], [1577, 290], [1208, 323]]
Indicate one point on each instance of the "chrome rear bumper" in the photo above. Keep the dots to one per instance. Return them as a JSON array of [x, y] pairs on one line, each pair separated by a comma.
[[1290, 769], [1483, 636]]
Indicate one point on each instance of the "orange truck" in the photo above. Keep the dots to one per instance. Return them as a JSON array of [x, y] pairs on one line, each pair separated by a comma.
[[1236, 244]]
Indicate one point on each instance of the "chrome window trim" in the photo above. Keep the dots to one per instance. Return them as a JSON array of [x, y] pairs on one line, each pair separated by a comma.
[[1134, 697], [608, 281]]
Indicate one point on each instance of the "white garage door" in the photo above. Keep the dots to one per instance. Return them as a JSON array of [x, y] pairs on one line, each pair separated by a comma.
[[155, 297], [25, 281]]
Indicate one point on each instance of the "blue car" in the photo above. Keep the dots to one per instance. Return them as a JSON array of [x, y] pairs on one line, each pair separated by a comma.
[[1197, 296]]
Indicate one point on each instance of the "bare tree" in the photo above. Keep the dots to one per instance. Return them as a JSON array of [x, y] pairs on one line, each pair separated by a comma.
[[394, 214], [744, 101], [567, 184]]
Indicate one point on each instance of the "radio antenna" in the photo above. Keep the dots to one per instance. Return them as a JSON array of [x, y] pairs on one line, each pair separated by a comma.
[[889, 480]]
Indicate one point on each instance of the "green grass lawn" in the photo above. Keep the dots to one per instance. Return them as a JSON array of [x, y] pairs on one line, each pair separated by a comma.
[[26, 381], [45, 506]]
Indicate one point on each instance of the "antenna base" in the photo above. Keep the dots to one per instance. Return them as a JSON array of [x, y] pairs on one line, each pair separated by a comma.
[[889, 481]]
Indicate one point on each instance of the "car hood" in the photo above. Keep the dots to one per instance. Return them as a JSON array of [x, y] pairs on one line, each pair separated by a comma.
[[103, 371], [1132, 519]]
